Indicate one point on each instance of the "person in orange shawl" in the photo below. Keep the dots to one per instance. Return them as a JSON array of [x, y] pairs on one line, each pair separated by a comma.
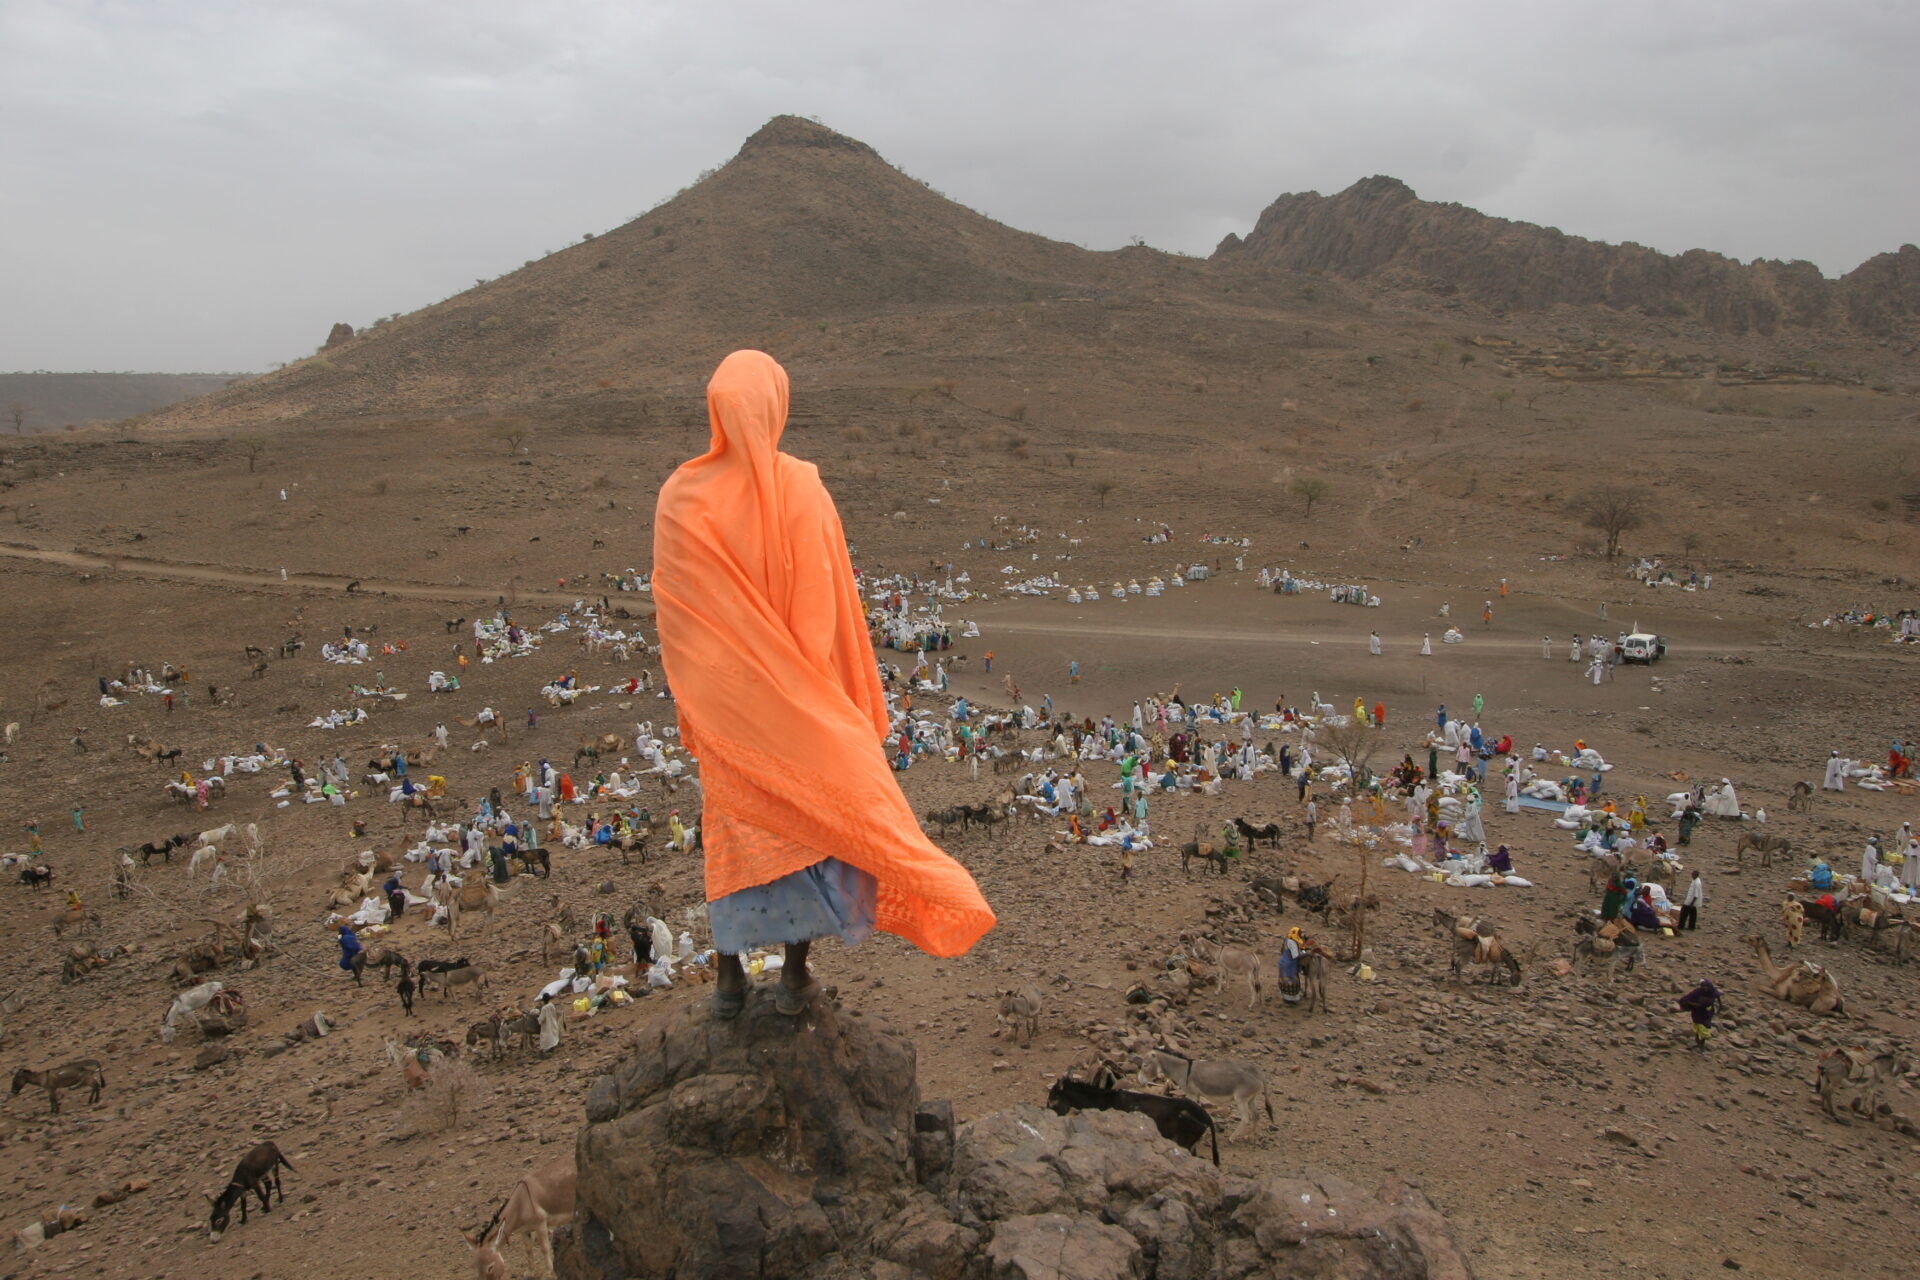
[[764, 642]]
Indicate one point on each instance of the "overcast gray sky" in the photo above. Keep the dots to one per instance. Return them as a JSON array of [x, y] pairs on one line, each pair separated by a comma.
[[209, 185]]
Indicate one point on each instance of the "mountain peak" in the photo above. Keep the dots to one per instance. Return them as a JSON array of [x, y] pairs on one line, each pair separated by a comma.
[[797, 131], [1381, 187]]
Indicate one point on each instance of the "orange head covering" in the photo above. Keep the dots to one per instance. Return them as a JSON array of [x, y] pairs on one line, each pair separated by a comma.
[[765, 648]]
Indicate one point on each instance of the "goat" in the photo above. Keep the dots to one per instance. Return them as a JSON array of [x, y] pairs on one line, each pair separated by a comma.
[[258, 1172], [36, 876], [1181, 1121], [540, 1201], [85, 1071], [406, 987]]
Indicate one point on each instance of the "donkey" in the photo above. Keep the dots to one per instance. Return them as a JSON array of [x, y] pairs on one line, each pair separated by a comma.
[[258, 1172], [85, 1071]]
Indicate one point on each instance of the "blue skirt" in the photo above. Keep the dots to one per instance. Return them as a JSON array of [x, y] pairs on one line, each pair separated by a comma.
[[829, 899]]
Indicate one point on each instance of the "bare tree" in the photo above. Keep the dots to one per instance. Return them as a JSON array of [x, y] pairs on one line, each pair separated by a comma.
[[19, 413], [1101, 488], [513, 433], [1353, 745], [1689, 546], [252, 447], [1612, 510], [1310, 489]]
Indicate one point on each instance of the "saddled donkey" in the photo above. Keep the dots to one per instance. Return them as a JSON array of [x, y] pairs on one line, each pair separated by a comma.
[[1214, 1079]]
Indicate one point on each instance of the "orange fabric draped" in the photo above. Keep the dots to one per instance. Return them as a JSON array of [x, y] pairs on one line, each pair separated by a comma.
[[766, 652]]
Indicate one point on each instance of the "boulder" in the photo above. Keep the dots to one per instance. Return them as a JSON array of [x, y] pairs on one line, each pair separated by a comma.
[[757, 1147], [341, 332], [774, 1148]]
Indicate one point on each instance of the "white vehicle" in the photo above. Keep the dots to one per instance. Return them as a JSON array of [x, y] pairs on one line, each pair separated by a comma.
[[1643, 646]]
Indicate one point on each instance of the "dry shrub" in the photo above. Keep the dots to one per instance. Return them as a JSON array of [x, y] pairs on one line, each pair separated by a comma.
[[450, 1096], [945, 387], [602, 481], [380, 487], [1415, 406], [1015, 443], [1018, 412], [605, 384], [1021, 452], [855, 433]]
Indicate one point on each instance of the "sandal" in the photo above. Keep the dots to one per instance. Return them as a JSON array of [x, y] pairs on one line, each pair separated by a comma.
[[792, 1001], [727, 1004]]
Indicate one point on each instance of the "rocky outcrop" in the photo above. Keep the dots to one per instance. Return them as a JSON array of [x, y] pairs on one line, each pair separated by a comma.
[[766, 1149], [1379, 230], [341, 332]]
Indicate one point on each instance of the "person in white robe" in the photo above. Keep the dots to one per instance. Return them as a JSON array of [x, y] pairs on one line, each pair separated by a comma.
[[1573, 652], [1513, 791], [1723, 803], [1546, 646], [549, 1026], [1426, 644], [1870, 860], [1373, 643], [1910, 869], [1836, 779], [1469, 828]]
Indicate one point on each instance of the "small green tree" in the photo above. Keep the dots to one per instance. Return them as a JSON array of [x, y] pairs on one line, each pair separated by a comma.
[[1310, 489], [513, 434], [1501, 397]]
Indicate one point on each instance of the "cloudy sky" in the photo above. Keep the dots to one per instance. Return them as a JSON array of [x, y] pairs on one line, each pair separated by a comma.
[[209, 184]]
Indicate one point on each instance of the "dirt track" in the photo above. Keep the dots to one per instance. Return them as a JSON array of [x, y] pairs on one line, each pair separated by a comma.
[[226, 575]]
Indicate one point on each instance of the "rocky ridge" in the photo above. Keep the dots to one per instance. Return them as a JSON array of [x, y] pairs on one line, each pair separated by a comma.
[[777, 1149], [1378, 230]]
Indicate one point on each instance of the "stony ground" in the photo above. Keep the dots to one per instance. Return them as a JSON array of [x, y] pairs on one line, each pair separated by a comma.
[[1552, 1121]]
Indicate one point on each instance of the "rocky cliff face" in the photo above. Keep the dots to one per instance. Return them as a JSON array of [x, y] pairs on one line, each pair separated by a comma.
[[1379, 230], [767, 1149]]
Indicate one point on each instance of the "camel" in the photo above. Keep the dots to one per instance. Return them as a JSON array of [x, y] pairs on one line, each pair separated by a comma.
[[1804, 984]]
